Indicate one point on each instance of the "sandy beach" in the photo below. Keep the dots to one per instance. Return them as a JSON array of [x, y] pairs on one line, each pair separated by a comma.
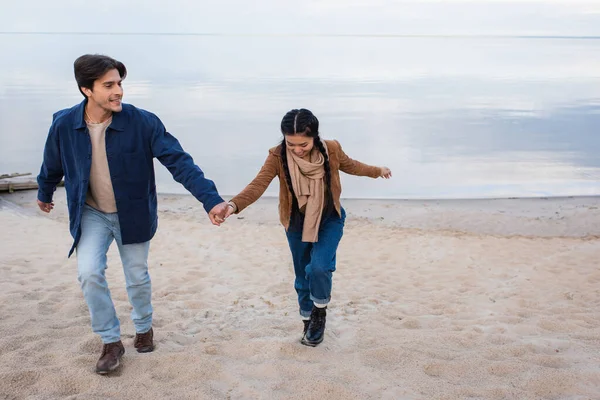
[[456, 299]]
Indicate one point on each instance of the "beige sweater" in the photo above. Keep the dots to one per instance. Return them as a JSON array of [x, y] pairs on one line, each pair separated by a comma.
[[100, 193]]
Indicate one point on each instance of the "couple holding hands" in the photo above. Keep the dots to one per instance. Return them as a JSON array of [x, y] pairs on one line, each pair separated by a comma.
[[104, 150]]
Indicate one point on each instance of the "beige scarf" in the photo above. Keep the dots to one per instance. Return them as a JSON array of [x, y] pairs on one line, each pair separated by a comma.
[[308, 183]]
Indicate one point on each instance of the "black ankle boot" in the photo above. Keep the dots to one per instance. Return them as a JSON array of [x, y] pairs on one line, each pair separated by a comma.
[[316, 327], [306, 322]]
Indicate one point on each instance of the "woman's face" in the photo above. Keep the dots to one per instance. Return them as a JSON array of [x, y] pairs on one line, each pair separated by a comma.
[[300, 145]]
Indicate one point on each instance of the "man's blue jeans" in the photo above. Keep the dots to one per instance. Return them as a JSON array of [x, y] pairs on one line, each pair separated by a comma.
[[98, 230], [314, 263]]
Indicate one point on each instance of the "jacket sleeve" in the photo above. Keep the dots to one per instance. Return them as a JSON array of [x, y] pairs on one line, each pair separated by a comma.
[[51, 171], [259, 184]]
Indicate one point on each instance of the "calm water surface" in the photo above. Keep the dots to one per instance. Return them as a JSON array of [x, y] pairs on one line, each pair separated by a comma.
[[452, 117]]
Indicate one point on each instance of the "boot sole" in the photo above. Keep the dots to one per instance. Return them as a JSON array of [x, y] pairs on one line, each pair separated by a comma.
[[103, 372], [310, 344], [145, 349]]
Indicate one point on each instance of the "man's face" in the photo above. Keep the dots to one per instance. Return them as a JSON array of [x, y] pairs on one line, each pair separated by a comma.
[[107, 92]]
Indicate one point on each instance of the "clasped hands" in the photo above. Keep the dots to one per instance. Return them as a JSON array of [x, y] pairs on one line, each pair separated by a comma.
[[221, 212]]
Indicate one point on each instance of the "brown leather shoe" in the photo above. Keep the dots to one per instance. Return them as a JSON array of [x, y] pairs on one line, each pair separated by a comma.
[[143, 342], [110, 357]]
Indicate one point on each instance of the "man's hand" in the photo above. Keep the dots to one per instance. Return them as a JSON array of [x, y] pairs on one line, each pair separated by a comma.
[[218, 213], [45, 207], [385, 173]]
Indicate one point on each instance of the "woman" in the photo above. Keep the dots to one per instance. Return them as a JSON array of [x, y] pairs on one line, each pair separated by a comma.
[[309, 209]]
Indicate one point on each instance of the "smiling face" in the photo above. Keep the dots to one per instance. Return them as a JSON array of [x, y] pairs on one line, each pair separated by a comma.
[[300, 145], [107, 92]]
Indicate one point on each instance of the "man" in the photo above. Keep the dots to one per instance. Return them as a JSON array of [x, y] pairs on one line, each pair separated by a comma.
[[104, 149]]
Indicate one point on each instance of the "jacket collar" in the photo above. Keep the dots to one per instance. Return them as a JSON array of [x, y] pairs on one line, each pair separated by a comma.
[[118, 119], [79, 122]]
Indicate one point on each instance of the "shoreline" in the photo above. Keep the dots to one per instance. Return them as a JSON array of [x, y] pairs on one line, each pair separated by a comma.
[[427, 199], [529, 217]]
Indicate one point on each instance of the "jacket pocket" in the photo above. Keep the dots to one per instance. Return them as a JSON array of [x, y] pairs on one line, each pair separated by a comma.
[[135, 167]]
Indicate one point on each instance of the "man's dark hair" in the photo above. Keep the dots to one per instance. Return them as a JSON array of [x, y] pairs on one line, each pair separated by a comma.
[[90, 67]]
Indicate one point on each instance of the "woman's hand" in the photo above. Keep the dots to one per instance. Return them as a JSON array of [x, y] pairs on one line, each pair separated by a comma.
[[385, 173], [231, 208]]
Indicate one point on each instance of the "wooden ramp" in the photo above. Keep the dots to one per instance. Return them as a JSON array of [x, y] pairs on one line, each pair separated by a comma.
[[18, 181]]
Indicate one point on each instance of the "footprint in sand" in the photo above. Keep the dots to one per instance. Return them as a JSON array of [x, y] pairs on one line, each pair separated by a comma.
[[63, 384], [411, 323], [553, 325], [389, 358], [164, 376], [21, 379], [34, 295], [549, 361], [555, 384], [91, 345], [76, 310], [505, 369], [447, 370], [498, 339], [435, 370]]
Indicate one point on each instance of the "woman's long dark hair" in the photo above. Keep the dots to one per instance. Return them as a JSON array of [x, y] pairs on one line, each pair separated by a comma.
[[302, 122]]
